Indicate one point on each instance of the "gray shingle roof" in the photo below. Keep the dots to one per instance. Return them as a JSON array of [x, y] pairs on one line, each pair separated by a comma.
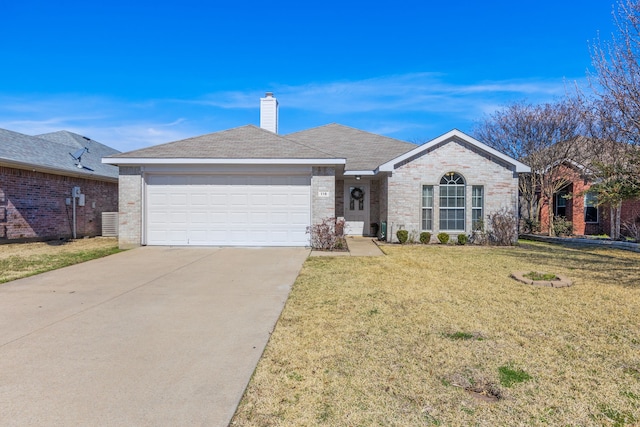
[[51, 151], [246, 142], [364, 151]]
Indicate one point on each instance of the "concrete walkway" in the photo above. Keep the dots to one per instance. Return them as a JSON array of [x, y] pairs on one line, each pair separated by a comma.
[[358, 246], [154, 336]]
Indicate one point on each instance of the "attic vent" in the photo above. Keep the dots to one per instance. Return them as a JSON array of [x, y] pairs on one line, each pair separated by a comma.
[[110, 224]]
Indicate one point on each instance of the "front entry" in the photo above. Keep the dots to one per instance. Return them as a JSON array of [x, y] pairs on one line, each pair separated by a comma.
[[356, 208]]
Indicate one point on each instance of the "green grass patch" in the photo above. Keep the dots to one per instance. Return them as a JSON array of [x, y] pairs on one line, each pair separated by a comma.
[[461, 336], [534, 275], [510, 376]]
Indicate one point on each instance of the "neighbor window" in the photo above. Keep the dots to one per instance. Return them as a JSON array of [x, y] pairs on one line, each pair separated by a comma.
[[561, 203], [427, 207], [477, 207], [452, 202], [590, 207]]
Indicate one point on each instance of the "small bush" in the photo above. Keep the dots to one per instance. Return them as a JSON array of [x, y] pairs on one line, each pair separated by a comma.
[[503, 228], [443, 238], [531, 225], [462, 239], [327, 235], [425, 237], [402, 236], [562, 226]]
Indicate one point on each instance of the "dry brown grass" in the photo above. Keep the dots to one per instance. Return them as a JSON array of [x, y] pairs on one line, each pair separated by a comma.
[[395, 341], [19, 260]]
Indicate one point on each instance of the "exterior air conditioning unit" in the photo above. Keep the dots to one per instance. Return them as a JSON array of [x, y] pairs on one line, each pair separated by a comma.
[[109, 224]]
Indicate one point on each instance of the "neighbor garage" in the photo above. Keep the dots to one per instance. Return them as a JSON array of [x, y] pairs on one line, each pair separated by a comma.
[[227, 209]]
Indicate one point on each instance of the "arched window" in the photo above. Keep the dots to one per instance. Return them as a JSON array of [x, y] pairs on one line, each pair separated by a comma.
[[452, 202]]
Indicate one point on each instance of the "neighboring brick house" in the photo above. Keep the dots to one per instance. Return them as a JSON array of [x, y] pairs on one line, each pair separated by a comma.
[[37, 177], [579, 206], [249, 186]]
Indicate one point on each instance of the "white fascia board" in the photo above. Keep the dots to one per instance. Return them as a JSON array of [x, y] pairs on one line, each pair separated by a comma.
[[389, 166], [192, 161], [350, 173]]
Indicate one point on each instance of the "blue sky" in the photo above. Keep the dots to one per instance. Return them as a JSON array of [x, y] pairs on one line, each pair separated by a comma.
[[136, 73]]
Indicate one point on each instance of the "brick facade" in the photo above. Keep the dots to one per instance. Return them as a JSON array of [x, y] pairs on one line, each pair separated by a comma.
[[130, 211], [575, 209], [32, 205], [404, 194], [323, 180]]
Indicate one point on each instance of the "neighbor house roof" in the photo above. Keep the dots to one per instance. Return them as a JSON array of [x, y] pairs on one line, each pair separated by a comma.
[[364, 151], [246, 144], [52, 153]]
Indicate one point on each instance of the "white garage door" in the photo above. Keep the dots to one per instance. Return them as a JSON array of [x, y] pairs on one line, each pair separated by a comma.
[[228, 210]]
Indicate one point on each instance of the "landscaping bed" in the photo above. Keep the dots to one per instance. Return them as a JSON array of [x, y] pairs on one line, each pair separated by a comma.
[[441, 335]]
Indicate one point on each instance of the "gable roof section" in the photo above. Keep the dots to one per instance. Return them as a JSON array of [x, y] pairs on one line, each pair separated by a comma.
[[49, 154], [453, 136], [246, 144], [364, 151]]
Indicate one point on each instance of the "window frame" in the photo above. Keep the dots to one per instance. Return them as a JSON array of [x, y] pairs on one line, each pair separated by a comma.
[[593, 205], [456, 182], [425, 208], [474, 208]]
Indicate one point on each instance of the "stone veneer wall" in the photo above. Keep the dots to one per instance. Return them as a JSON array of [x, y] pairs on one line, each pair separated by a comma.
[[130, 217], [32, 205], [405, 185], [323, 180]]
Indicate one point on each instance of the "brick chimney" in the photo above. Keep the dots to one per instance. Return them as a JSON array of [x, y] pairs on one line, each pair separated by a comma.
[[269, 113]]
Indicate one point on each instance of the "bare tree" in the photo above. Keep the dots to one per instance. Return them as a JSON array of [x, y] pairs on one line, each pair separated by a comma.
[[613, 115], [542, 136], [617, 76]]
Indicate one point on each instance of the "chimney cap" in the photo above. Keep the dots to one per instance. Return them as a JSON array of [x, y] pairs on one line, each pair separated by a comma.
[[269, 94]]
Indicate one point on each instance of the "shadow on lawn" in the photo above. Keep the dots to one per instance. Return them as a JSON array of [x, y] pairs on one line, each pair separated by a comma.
[[602, 264]]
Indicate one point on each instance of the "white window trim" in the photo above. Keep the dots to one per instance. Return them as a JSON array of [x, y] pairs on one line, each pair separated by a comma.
[[463, 209], [432, 208]]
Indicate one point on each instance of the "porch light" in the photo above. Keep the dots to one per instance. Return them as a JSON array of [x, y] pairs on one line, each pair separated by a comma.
[[358, 177]]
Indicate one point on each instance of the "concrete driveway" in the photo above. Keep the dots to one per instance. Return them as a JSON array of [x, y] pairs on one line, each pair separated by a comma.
[[154, 336]]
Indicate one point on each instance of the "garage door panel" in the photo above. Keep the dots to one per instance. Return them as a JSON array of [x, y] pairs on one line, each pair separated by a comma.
[[299, 219], [222, 210], [259, 219], [218, 218], [280, 200], [299, 200]]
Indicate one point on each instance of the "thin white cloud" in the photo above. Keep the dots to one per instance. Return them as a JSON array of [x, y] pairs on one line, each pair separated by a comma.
[[397, 105]]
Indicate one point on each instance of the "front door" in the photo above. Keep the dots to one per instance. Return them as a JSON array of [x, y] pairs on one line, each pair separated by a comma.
[[356, 208]]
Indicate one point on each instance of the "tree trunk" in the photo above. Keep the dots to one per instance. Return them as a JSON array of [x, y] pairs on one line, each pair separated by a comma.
[[615, 211], [618, 209], [551, 231]]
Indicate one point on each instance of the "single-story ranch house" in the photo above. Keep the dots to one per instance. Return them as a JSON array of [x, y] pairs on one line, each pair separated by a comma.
[[37, 178], [249, 186]]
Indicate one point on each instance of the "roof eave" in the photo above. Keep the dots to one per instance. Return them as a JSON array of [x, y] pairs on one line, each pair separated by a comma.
[[210, 161], [55, 171], [359, 172]]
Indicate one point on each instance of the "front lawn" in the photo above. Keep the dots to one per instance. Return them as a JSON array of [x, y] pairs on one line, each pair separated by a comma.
[[19, 260], [440, 335]]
